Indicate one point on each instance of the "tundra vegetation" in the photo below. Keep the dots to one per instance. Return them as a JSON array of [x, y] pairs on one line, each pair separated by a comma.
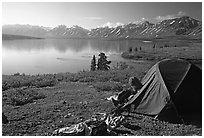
[[19, 89]]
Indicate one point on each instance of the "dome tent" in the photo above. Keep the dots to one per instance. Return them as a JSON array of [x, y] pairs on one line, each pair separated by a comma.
[[172, 89]]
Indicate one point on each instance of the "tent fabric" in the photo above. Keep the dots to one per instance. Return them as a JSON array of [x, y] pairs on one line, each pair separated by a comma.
[[153, 96], [171, 85], [173, 72]]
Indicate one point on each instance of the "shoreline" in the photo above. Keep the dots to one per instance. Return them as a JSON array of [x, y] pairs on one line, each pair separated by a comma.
[[152, 39], [194, 57]]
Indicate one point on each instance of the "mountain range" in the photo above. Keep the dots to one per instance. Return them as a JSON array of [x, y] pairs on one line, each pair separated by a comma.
[[182, 26]]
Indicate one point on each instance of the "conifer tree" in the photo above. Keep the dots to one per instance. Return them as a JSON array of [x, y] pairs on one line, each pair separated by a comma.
[[154, 46], [93, 63], [130, 49], [103, 63]]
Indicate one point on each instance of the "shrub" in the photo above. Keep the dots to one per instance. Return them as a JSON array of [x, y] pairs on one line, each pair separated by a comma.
[[44, 83], [130, 49], [5, 85], [16, 74], [127, 55], [120, 66], [11, 81], [18, 97], [87, 79], [108, 86]]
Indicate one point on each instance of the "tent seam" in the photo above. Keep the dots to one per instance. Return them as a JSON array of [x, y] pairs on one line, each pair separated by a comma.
[[189, 66], [168, 94]]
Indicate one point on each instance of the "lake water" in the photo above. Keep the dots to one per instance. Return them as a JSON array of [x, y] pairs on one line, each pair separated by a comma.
[[39, 56]]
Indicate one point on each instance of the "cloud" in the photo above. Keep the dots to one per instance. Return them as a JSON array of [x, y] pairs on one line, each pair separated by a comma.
[[141, 20], [161, 18], [109, 24], [179, 14], [93, 18]]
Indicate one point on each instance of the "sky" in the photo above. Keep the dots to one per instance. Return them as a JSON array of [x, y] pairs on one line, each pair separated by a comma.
[[94, 14]]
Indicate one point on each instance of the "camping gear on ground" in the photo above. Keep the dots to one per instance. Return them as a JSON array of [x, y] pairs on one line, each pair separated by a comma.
[[80, 129], [100, 124], [123, 96], [172, 89]]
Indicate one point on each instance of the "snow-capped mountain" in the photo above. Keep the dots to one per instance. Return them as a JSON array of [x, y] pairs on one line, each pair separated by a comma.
[[25, 30], [62, 31], [183, 26]]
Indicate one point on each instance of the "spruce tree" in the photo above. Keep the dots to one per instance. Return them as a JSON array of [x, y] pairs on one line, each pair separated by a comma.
[[103, 63], [154, 46], [130, 49], [93, 63]]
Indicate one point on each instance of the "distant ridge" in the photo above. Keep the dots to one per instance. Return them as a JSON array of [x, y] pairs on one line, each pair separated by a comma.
[[14, 37], [183, 27]]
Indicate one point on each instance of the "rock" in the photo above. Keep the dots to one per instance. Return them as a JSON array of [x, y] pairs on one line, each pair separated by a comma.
[[49, 121], [68, 115], [63, 102]]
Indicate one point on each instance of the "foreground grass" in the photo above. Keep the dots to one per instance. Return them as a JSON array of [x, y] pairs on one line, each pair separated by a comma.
[[51, 101], [20, 89], [69, 103], [18, 81], [19, 97], [109, 78]]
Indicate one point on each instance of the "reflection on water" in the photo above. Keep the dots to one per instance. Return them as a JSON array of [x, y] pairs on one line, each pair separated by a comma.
[[60, 55], [75, 45]]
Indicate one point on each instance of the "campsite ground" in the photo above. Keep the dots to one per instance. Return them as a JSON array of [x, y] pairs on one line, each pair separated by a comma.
[[72, 102], [64, 99]]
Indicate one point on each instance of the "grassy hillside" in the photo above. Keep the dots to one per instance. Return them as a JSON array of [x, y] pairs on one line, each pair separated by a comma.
[[192, 53]]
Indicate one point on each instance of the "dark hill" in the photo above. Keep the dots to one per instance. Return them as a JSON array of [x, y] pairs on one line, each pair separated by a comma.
[[14, 37]]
